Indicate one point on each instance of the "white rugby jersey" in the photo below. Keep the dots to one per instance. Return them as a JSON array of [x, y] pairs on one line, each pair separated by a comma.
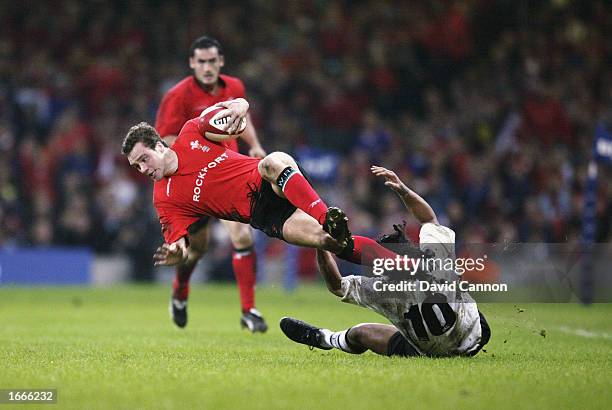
[[438, 323]]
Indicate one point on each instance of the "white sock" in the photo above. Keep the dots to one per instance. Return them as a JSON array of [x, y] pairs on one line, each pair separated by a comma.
[[337, 340], [326, 336]]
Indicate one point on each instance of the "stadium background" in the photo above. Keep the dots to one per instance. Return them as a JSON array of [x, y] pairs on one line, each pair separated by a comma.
[[488, 109]]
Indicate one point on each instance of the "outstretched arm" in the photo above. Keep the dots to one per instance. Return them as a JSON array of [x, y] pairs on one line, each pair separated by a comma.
[[250, 137], [329, 270], [413, 202]]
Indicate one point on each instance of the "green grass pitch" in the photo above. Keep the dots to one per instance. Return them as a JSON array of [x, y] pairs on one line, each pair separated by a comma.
[[117, 348]]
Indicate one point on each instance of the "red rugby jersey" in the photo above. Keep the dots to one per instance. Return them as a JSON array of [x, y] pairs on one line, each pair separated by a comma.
[[187, 99], [210, 180]]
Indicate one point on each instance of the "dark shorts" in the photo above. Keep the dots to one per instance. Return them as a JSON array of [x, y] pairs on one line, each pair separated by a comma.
[[269, 211], [399, 346]]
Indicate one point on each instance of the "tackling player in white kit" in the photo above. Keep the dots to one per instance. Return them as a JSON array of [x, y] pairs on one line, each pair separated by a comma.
[[440, 323]]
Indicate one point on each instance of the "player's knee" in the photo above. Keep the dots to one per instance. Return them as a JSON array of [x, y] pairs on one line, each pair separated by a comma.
[[194, 256], [266, 168], [358, 335], [198, 248], [273, 164], [197, 253], [241, 237]]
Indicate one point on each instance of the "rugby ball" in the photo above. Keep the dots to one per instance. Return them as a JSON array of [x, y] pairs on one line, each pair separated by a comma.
[[212, 125]]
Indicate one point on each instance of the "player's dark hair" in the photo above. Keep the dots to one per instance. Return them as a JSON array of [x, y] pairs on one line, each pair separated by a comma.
[[398, 242], [397, 239], [141, 132], [205, 42]]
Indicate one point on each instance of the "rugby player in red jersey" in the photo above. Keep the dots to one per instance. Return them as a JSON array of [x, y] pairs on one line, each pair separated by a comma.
[[187, 100], [199, 177]]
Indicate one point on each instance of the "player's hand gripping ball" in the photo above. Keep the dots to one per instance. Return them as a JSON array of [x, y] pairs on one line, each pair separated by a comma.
[[213, 123]]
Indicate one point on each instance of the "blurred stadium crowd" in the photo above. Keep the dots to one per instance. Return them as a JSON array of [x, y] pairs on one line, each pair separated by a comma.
[[487, 108]]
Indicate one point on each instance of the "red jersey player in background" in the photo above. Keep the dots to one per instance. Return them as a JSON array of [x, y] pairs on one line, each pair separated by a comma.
[[187, 100]]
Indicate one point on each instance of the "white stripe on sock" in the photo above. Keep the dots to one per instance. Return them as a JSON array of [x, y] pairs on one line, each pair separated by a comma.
[[245, 252], [288, 178], [338, 340]]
